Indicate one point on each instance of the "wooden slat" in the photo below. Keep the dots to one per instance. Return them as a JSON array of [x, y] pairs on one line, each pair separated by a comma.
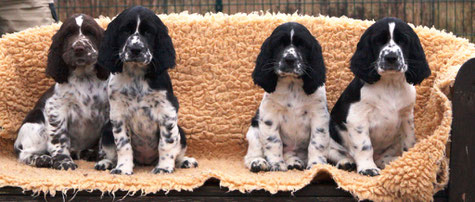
[[462, 150]]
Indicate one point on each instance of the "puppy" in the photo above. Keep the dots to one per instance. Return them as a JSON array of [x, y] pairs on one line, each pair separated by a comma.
[[374, 117], [138, 51], [290, 128], [67, 118]]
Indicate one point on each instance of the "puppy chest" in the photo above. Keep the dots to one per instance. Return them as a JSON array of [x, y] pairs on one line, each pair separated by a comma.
[[295, 130], [145, 148], [385, 125]]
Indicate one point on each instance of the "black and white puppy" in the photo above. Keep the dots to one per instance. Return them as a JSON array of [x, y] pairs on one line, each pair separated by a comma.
[[68, 117], [290, 128], [144, 111], [373, 119]]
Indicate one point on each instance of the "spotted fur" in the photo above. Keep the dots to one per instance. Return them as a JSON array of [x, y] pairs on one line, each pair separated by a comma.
[[67, 119], [290, 129], [373, 120], [144, 111]]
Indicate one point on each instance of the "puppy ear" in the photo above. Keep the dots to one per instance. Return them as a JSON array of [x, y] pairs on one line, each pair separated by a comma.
[[163, 51], [315, 76], [56, 67], [418, 68], [108, 58], [263, 74], [362, 62], [101, 72]]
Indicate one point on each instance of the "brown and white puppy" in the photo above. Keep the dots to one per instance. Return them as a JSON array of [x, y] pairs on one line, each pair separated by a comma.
[[68, 117]]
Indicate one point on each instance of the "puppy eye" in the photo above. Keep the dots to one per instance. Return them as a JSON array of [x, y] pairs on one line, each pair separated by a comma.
[[401, 39], [382, 39], [88, 32], [285, 41]]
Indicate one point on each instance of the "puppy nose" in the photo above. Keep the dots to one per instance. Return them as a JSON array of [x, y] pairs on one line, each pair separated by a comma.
[[290, 60], [390, 58], [135, 50], [79, 50]]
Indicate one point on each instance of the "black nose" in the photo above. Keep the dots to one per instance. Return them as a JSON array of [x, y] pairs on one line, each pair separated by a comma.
[[135, 50], [290, 60], [390, 58], [79, 50]]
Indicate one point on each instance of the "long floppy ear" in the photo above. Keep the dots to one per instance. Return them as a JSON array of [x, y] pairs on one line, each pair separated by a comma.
[[362, 62], [108, 58], [163, 51], [418, 68], [315, 77], [263, 74], [102, 73], [56, 67]]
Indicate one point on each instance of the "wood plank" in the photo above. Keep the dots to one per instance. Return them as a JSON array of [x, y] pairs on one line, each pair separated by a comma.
[[462, 150]]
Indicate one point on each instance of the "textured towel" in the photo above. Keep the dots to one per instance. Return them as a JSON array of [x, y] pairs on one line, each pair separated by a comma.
[[216, 54]]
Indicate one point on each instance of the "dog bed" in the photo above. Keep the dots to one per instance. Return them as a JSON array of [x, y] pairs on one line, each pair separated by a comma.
[[212, 80]]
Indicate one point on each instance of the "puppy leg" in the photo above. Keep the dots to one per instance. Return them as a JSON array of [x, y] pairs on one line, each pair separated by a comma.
[[338, 155], [31, 145], [388, 155], [407, 130], [59, 141], [319, 137], [361, 149], [254, 159], [169, 144], [107, 149], [271, 141], [125, 158], [183, 161]]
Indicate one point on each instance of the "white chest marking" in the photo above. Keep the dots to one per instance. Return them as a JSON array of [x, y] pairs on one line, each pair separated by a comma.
[[385, 103]]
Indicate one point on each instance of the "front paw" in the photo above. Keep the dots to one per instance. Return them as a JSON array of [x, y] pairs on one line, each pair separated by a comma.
[[158, 170], [346, 164], [44, 161], [64, 164], [295, 164], [118, 171], [278, 166], [104, 164], [369, 172], [258, 165], [319, 160], [189, 163]]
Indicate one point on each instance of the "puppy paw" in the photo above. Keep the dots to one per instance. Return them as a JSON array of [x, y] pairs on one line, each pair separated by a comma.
[[44, 161], [278, 166], [118, 171], [65, 164], [295, 164], [104, 164], [258, 165], [346, 164], [158, 170], [316, 161], [189, 162], [369, 172]]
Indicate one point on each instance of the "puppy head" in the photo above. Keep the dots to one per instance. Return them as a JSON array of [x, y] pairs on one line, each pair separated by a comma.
[[75, 48], [390, 46], [137, 38], [290, 51]]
